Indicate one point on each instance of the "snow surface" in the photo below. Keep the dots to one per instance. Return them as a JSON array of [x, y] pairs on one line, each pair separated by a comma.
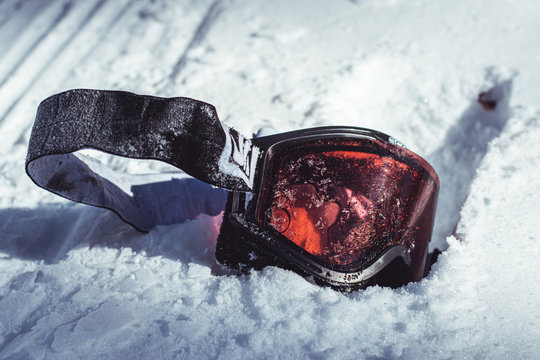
[[77, 282]]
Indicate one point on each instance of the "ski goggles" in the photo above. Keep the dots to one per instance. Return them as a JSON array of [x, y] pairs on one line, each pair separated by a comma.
[[342, 206]]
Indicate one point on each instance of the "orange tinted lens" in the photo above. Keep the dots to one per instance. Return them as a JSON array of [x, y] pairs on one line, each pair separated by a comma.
[[344, 206]]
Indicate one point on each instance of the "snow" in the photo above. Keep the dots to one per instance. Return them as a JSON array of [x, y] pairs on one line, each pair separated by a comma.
[[77, 282]]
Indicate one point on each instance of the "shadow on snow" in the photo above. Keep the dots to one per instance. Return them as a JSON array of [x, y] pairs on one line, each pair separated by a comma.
[[461, 152]]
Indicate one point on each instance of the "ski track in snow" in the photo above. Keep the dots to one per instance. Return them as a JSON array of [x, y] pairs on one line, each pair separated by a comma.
[[77, 282]]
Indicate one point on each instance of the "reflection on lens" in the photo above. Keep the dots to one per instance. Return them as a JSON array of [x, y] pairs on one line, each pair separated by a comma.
[[280, 219], [346, 205]]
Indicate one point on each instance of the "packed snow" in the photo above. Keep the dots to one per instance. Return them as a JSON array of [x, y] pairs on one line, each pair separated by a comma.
[[78, 282]]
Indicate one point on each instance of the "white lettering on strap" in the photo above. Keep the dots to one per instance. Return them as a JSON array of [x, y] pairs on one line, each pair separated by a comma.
[[239, 157]]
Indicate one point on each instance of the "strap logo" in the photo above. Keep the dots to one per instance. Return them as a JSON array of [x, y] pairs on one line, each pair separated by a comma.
[[239, 157]]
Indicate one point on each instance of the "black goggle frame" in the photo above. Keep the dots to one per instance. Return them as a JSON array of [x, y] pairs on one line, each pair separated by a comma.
[[244, 242]]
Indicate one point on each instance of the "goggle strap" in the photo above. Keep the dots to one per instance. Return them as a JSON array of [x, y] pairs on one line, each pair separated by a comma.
[[183, 132]]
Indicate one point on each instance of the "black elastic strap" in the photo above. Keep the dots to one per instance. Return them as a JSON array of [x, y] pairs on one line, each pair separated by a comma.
[[183, 132]]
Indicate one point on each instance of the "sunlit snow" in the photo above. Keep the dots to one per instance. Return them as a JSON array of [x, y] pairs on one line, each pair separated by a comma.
[[78, 282]]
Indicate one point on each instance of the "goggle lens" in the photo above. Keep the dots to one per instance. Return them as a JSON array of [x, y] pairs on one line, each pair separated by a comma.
[[344, 206]]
